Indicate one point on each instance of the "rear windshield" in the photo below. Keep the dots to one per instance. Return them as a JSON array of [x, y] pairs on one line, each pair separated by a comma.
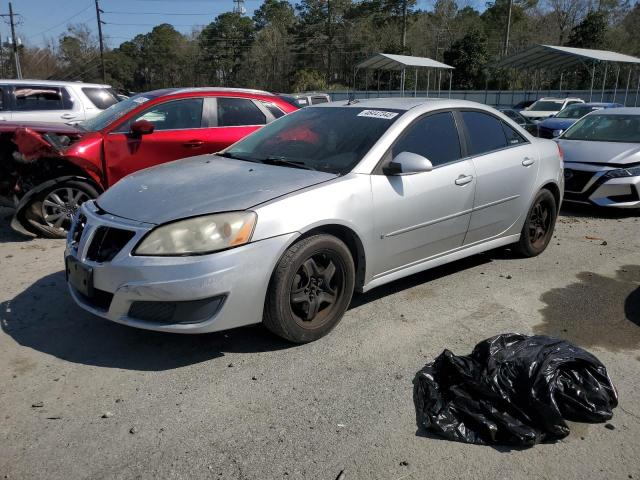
[[546, 106], [328, 139], [102, 98], [606, 128]]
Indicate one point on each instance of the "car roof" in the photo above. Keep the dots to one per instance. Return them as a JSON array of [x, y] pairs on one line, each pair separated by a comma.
[[176, 91], [559, 99], [598, 104], [51, 83], [619, 111], [402, 103]]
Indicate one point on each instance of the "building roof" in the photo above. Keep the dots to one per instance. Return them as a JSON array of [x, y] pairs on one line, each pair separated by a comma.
[[552, 56], [388, 61]]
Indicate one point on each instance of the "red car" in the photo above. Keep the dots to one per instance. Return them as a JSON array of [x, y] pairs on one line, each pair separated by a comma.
[[50, 169]]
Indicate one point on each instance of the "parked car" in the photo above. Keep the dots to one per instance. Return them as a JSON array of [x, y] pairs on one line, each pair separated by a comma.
[[57, 167], [525, 123], [522, 105], [305, 99], [554, 125], [545, 107], [283, 226], [602, 158], [53, 101]]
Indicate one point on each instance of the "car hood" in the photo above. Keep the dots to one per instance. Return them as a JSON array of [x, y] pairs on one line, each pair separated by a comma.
[[558, 123], [537, 113], [600, 152], [60, 128], [201, 185]]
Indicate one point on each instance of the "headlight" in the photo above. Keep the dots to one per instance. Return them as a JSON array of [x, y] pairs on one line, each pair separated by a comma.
[[623, 172], [557, 133], [199, 235]]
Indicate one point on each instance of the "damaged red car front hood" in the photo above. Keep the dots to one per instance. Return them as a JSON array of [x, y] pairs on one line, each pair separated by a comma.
[[59, 128], [32, 145]]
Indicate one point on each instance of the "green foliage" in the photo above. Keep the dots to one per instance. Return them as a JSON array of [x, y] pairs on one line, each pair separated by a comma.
[[590, 32], [308, 80], [468, 56]]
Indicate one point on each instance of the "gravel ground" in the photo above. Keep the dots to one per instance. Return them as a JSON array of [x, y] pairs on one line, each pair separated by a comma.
[[85, 398]]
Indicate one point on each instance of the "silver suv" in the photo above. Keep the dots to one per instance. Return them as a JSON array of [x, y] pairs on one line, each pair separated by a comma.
[[52, 101]]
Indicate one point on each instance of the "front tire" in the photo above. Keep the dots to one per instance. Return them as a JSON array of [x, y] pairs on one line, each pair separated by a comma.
[[537, 230], [310, 289], [50, 213]]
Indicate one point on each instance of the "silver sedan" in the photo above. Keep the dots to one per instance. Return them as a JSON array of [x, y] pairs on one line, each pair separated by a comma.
[[283, 226], [602, 159]]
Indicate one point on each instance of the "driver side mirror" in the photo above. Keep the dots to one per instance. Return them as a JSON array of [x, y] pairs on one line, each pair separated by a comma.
[[142, 127], [407, 163]]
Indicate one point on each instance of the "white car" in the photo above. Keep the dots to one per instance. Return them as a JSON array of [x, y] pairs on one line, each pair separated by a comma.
[[52, 101], [546, 107]]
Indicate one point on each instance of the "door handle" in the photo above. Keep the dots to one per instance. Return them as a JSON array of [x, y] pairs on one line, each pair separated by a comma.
[[527, 161], [464, 179], [67, 116], [193, 143]]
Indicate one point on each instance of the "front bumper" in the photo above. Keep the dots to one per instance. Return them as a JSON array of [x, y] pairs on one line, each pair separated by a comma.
[[225, 289], [587, 183]]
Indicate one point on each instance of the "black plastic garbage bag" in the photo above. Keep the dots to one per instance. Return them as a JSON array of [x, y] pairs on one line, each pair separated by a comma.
[[512, 390]]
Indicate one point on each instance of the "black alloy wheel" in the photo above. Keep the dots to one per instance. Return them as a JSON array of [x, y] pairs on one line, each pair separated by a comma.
[[537, 230]]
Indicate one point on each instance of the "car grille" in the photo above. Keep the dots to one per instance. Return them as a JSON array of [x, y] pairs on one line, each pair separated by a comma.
[[576, 180], [77, 232], [107, 243]]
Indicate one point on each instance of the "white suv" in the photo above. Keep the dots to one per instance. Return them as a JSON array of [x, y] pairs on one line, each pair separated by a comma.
[[545, 107], [51, 101]]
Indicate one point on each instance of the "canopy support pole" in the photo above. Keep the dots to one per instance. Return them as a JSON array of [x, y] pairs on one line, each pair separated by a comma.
[[439, 81], [366, 83], [626, 92], [378, 83], [390, 77], [450, 81], [486, 89], [637, 89], [593, 76], [402, 80], [615, 89], [415, 85], [560, 88], [604, 81], [428, 81]]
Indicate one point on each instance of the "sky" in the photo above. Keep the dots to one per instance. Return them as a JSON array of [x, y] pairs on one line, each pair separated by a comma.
[[42, 21]]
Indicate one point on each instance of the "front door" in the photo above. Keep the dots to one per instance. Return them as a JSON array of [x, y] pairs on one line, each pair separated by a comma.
[[426, 214], [506, 166], [180, 132]]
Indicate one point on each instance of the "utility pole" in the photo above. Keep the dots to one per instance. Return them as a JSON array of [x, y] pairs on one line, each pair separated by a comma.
[[100, 23], [239, 7], [507, 30], [15, 43], [404, 26], [330, 37]]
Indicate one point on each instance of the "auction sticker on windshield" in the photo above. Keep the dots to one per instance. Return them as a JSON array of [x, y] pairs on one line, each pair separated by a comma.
[[378, 114]]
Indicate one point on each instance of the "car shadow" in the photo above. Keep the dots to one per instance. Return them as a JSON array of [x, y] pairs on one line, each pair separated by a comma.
[[45, 318], [422, 277], [8, 234], [592, 211]]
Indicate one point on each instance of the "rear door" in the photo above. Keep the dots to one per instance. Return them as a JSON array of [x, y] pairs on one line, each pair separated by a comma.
[[506, 166], [44, 103], [232, 119], [180, 132]]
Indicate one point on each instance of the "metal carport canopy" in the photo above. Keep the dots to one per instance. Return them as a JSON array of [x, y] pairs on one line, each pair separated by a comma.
[[551, 56], [388, 61]]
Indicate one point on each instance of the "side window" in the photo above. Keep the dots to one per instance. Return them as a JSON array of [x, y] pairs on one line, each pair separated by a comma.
[[38, 97], [273, 110], [513, 137], [484, 131], [318, 99], [434, 137], [174, 115], [234, 112], [101, 98]]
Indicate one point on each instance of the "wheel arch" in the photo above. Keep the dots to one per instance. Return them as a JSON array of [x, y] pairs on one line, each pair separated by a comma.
[[350, 238], [555, 191]]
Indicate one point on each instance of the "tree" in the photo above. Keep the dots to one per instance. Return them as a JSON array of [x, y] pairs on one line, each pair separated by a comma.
[[468, 56], [590, 32]]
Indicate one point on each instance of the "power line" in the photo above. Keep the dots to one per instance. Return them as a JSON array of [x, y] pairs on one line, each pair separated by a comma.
[[157, 13], [61, 23]]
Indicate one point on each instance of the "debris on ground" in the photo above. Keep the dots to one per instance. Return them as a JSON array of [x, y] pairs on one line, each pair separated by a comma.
[[589, 237], [107, 415], [37, 405], [513, 390]]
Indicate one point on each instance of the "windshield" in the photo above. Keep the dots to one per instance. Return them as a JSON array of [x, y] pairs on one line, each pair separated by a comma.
[[332, 139], [576, 111], [114, 112], [546, 106], [606, 128]]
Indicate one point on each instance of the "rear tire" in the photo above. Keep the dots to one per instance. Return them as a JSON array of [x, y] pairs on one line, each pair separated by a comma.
[[49, 213], [537, 230], [310, 289]]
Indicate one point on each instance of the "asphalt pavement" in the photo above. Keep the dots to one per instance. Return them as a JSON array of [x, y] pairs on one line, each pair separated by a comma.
[[85, 398]]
